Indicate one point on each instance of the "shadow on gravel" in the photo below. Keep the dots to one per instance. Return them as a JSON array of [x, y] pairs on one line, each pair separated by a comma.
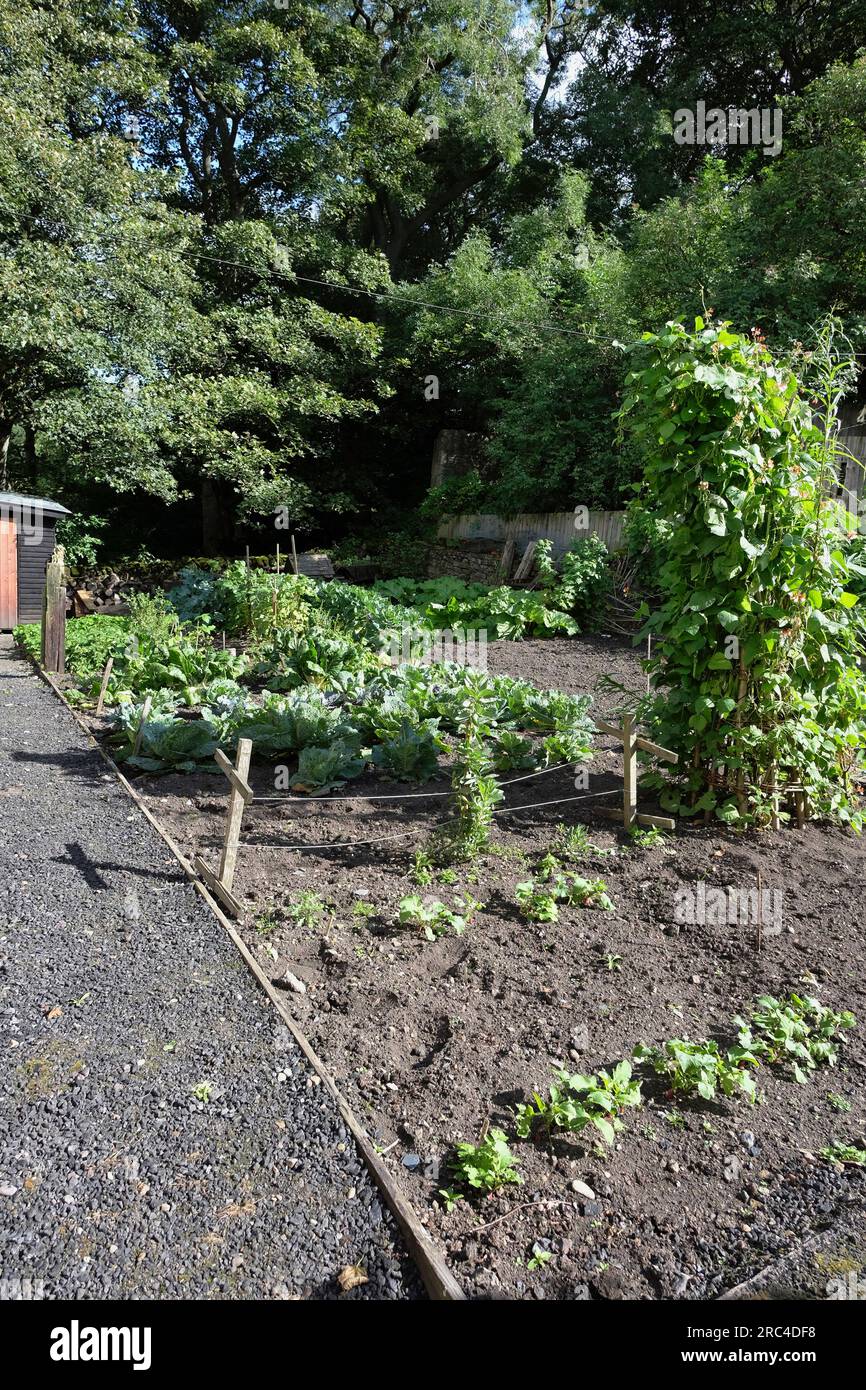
[[77, 856], [79, 763]]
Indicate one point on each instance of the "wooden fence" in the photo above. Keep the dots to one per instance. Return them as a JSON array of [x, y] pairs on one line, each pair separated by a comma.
[[558, 527]]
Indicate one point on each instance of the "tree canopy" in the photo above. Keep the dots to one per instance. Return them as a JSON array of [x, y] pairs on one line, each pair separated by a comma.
[[256, 253]]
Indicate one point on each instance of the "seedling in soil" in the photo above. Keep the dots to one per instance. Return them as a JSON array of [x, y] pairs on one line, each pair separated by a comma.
[[675, 1119], [308, 909], [266, 922], [539, 904], [448, 876], [613, 962], [487, 1166], [450, 1197], [576, 1101], [422, 870], [203, 1091], [363, 911], [434, 918], [535, 903], [799, 1030], [539, 1258], [651, 838], [843, 1153], [701, 1068], [838, 1102], [572, 842]]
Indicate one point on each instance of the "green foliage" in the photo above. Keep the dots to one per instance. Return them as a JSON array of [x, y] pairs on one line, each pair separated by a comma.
[[539, 904], [577, 1101], [583, 582], [799, 1030], [486, 1166], [89, 642], [839, 1103], [177, 745], [475, 792], [411, 754], [307, 910], [843, 1153], [573, 842], [326, 769], [435, 918], [700, 1068], [755, 659], [536, 904]]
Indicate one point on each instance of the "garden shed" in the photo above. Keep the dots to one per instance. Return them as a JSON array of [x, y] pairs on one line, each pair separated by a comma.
[[27, 526]]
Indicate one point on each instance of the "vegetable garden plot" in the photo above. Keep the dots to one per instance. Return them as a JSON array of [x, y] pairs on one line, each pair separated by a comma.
[[440, 1025]]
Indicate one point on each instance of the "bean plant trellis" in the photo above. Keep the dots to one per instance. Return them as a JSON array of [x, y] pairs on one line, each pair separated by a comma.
[[754, 673]]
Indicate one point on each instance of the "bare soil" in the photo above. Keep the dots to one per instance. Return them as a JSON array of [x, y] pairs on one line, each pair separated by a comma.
[[433, 1041]]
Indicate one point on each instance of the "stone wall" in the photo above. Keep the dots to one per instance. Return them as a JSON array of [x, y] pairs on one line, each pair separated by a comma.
[[476, 567]]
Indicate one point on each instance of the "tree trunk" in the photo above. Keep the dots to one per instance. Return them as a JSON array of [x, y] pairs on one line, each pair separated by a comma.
[[5, 436]]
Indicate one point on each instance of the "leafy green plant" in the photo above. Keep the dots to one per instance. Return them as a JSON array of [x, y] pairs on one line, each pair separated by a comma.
[[701, 1068], [89, 642], [362, 911], [203, 1091], [576, 1101], [307, 910], [539, 904], [512, 752], [179, 745], [613, 962], [538, 1259], [839, 1103], [755, 660], [650, 838], [411, 754], [450, 1196], [422, 869], [536, 903], [843, 1153], [434, 918], [486, 1166], [475, 791], [799, 1030], [583, 582], [572, 842], [325, 769]]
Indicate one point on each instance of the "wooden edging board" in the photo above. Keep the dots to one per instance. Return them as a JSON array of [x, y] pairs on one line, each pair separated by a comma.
[[435, 1274]]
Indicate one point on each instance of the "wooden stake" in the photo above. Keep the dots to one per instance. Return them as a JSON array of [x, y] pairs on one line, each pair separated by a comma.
[[631, 742], [278, 559], [54, 614], [237, 800], [104, 686], [760, 913], [629, 786], [294, 555]]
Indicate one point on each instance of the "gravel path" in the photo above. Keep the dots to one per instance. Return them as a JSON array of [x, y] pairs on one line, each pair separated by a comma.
[[120, 995]]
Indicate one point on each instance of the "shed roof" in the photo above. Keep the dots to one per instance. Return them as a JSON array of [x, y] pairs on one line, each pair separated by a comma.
[[19, 499]]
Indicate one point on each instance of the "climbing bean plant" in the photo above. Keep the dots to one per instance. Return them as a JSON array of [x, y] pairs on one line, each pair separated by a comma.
[[754, 670]]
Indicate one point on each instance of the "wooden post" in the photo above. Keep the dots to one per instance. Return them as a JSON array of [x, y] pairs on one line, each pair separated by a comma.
[[629, 786], [631, 742], [240, 795], [54, 614], [102, 689], [294, 555]]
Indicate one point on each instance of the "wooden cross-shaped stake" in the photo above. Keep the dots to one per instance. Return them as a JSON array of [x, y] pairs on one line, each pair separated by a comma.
[[240, 795], [631, 742]]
